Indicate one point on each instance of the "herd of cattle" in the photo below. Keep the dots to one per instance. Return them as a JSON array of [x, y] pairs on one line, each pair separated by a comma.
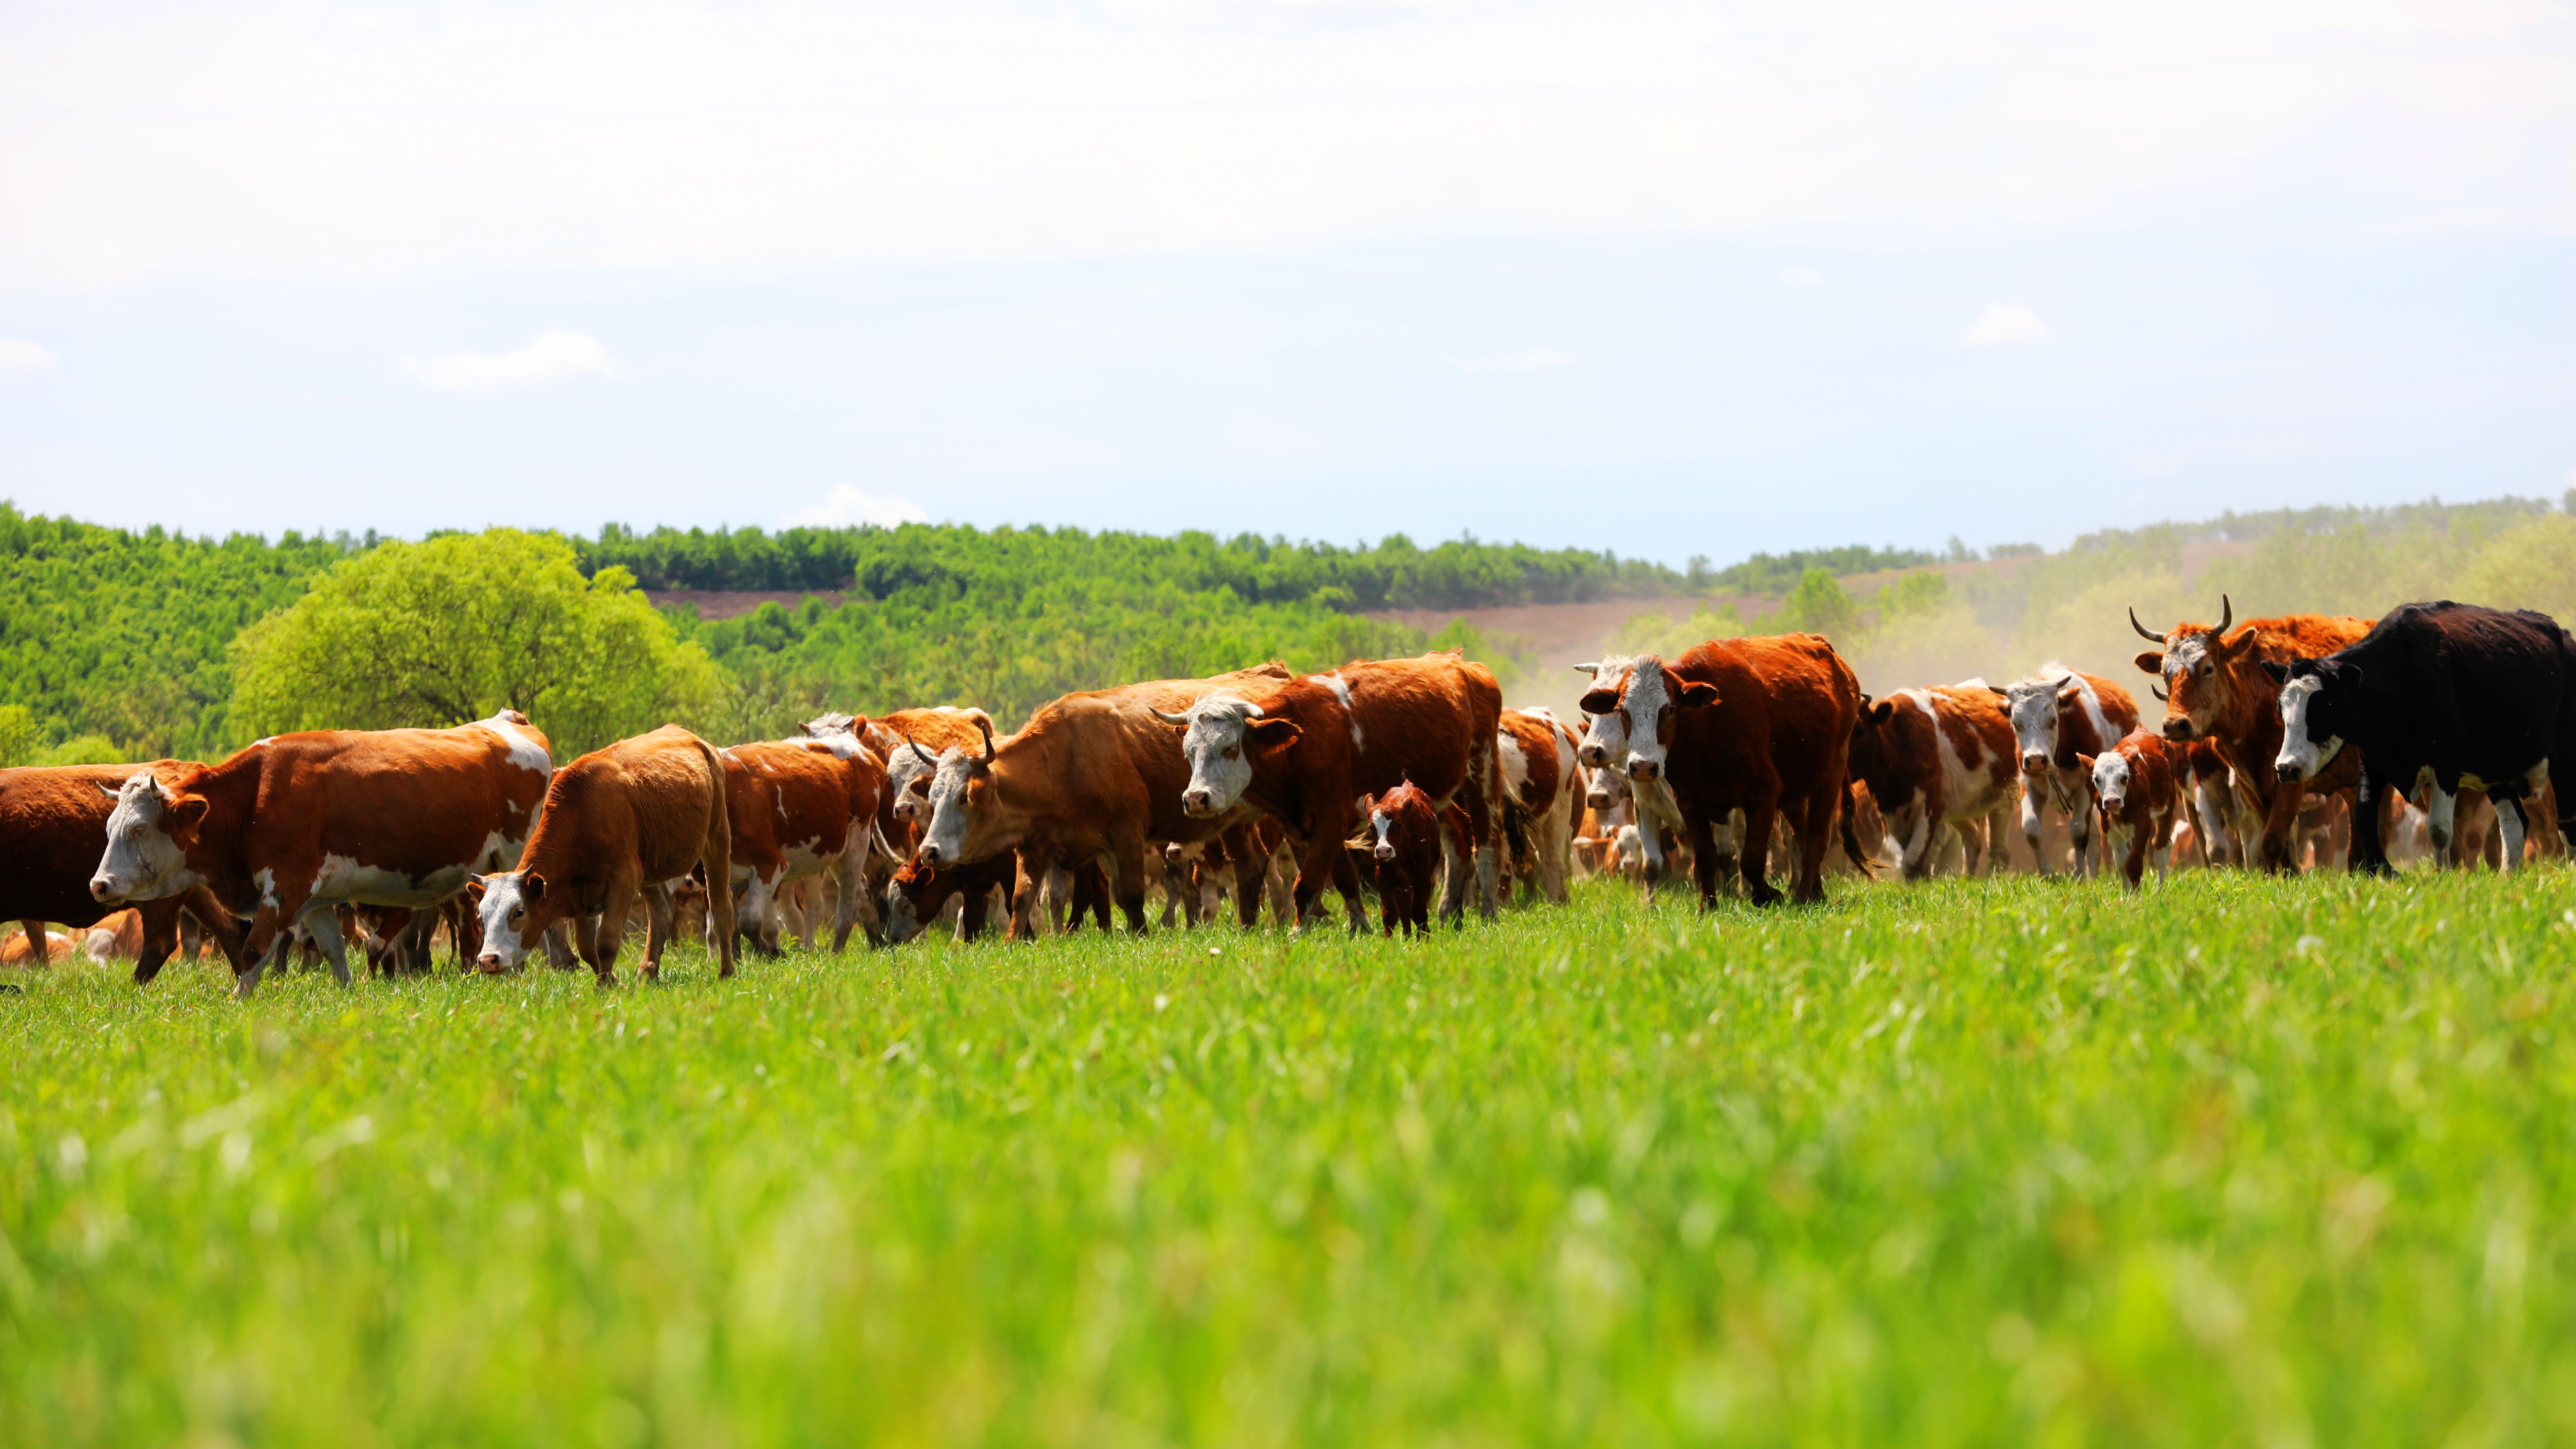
[[2286, 741]]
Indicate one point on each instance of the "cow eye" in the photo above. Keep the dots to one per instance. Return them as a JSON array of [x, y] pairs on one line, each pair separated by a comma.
[[1234, 752]]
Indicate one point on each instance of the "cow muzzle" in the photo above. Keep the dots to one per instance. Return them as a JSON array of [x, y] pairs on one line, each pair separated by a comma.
[[1644, 769], [2288, 772], [1198, 804], [103, 889], [490, 963], [2032, 762], [2115, 803], [1598, 800], [930, 854], [2177, 727], [1383, 852]]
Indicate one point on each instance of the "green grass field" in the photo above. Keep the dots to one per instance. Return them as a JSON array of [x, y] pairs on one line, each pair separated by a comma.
[[2242, 1162]]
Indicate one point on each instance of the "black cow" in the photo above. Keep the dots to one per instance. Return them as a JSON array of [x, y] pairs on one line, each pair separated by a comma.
[[2456, 695]]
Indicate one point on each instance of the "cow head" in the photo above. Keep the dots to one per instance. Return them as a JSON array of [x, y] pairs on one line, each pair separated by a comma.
[[908, 774], [833, 722], [2193, 667], [2110, 777], [1605, 736], [148, 836], [1604, 790], [2034, 705], [1387, 817], [1648, 702], [906, 910], [515, 907], [964, 788], [1867, 756], [2319, 700], [1222, 736]]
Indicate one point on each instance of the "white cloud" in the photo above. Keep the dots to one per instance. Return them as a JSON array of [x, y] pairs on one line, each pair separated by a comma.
[[847, 506], [1801, 277], [2004, 322], [1536, 359], [20, 358], [549, 357]]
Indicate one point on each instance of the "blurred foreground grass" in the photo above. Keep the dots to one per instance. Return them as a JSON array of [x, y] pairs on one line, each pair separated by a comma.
[[2240, 1162]]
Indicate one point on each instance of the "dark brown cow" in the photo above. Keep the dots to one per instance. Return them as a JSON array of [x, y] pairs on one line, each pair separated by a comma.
[[1938, 761], [1307, 749], [1091, 776], [294, 827], [53, 826], [2215, 689], [618, 822], [1758, 725], [1543, 790], [2136, 788], [2058, 714], [918, 892], [1399, 848], [798, 810]]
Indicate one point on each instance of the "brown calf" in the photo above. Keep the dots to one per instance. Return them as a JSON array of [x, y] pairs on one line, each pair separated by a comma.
[[2136, 789], [2057, 715], [1399, 846]]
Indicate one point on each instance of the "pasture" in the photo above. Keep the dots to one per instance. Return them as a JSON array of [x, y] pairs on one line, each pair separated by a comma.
[[2245, 1161]]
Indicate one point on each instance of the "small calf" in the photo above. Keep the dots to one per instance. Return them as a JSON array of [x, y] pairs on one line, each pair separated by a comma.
[[2137, 791], [1399, 843]]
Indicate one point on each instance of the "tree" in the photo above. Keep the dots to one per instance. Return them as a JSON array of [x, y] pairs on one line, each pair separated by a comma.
[[1819, 605], [447, 631]]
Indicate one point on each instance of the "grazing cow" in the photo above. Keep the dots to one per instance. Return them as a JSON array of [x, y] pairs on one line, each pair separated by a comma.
[[917, 893], [1938, 761], [53, 825], [1542, 793], [2216, 690], [1092, 775], [802, 810], [2135, 787], [2058, 714], [1306, 751], [1758, 725], [618, 822], [2455, 695], [1400, 846], [290, 829]]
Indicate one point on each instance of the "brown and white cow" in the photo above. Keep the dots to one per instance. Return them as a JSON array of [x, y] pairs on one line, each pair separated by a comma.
[[1939, 763], [802, 810], [930, 731], [53, 825], [1648, 804], [1399, 849], [1093, 776], [2215, 690], [1306, 751], [618, 822], [2058, 714], [1758, 725], [2136, 790], [291, 828], [1543, 791]]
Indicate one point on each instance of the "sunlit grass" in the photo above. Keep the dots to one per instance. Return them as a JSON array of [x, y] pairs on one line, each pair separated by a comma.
[[2240, 1161]]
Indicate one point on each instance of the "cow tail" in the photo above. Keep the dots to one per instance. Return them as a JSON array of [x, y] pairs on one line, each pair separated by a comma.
[[1851, 835]]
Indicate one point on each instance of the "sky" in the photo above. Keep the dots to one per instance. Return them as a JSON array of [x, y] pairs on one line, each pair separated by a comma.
[[1672, 280]]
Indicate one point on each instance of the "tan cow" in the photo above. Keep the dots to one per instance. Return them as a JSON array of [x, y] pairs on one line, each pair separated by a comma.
[[290, 829], [618, 822]]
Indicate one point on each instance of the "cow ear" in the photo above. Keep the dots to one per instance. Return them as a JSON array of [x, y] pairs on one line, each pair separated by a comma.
[[2149, 662], [1598, 701], [2085, 762], [1883, 711], [474, 890], [2347, 674], [1271, 734], [187, 810], [2280, 672], [1696, 695], [532, 886], [2067, 693]]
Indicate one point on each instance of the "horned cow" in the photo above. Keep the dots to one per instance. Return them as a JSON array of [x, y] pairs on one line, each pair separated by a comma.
[[2059, 714]]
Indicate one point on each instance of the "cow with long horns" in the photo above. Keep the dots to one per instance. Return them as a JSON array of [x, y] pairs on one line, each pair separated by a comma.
[[2212, 680]]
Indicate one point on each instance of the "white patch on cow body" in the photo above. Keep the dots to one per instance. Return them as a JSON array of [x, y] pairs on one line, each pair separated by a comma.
[[499, 851], [1515, 763], [842, 744], [2299, 753], [1341, 689], [525, 753], [347, 880]]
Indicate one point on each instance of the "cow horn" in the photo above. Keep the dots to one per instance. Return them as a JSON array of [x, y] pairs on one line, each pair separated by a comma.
[[1167, 716], [2226, 615], [2141, 628], [915, 746], [2158, 691], [1587, 669], [986, 726]]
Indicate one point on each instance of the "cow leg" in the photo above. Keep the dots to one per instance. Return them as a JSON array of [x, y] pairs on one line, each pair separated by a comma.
[[856, 899], [323, 920], [1753, 852], [2510, 827], [2442, 812], [1555, 845], [1913, 853], [2034, 824], [160, 937], [616, 904], [35, 941], [2369, 852], [559, 946], [1127, 879], [661, 918]]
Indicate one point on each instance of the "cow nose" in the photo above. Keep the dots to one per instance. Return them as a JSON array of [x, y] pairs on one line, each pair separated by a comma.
[[489, 960], [2287, 772], [2177, 728], [929, 854], [102, 888], [1593, 756], [1195, 800], [1641, 769], [2034, 760], [1597, 802]]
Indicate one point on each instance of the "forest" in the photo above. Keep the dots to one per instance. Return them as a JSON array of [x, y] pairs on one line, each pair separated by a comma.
[[122, 644]]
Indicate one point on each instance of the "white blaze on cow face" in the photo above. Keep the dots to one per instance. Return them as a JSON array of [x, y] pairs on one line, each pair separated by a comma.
[[908, 775], [505, 912], [1213, 742], [143, 861], [943, 841], [2302, 755], [2111, 781], [1383, 825]]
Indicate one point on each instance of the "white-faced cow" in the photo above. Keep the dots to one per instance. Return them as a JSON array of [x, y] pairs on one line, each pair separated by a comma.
[[291, 828], [2058, 714], [618, 822], [2457, 696], [1602, 747], [2212, 680], [1940, 763], [801, 810], [1306, 751], [2136, 792], [1093, 776], [53, 824], [1758, 725], [1542, 794]]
